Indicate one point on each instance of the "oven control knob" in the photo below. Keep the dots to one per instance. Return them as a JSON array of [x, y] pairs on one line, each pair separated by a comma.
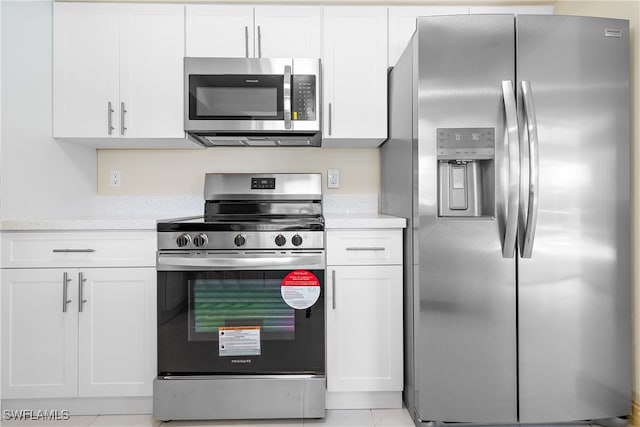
[[280, 240], [296, 240], [240, 240], [200, 240], [183, 240]]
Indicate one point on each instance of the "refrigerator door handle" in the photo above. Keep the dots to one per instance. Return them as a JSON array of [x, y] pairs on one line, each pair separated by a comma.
[[534, 171], [513, 161]]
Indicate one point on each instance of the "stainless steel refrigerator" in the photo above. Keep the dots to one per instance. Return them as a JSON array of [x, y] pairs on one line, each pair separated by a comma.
[[509, 155]]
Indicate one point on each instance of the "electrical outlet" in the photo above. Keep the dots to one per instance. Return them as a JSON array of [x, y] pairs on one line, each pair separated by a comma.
[[115, 178], [333, 178]]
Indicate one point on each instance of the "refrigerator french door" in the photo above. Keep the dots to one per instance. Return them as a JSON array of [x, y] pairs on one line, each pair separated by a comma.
[[509, 154]]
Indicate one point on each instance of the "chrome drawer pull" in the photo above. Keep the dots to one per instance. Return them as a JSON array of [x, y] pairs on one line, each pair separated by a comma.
[[371, 249], [70, 251]]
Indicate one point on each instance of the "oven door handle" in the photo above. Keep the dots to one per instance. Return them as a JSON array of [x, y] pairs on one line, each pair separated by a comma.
[[235, 262]]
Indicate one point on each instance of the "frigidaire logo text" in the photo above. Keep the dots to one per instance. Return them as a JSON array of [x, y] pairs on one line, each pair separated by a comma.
[[240, 360], [252, 81]]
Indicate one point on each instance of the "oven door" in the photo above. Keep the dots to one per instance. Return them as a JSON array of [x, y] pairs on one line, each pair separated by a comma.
[[240, 313]]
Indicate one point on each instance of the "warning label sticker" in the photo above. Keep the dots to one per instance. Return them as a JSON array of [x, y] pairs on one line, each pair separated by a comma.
[[300, 289], [239, 341]]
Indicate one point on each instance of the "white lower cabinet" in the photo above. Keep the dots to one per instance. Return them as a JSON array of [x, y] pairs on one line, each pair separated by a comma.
[[62, 338], [364, 318], [78, 315], [40, 340]]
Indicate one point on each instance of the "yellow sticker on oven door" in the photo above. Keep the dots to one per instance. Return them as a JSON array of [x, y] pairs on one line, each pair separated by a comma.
[[300, 289]]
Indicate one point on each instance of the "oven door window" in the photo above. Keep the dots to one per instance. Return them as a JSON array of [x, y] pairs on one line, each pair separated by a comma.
[[237, 322], [236, 97]]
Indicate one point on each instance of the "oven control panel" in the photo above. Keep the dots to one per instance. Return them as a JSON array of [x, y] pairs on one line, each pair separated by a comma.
[[299, 239]]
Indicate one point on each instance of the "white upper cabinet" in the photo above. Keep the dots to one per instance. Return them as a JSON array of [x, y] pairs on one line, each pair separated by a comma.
[[117, 70], [219, 31], [355, 76], [516, 10], [85, 69], [402, 25], [260, 32], [151, 71], [283, 32]]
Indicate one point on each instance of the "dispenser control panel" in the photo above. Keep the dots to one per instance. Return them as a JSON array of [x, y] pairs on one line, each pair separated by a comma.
[[466, 143]]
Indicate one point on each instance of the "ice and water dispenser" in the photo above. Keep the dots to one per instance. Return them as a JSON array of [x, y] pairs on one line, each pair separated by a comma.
[[466, 172]]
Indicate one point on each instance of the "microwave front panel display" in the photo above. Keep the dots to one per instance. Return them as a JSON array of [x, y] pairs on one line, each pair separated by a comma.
[[236, 97], [303, 98]]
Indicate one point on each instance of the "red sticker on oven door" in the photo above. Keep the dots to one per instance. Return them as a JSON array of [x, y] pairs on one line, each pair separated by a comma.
[[300, 289]]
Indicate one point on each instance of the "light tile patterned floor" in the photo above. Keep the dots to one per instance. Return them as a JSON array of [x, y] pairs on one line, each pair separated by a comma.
[[334, 418]]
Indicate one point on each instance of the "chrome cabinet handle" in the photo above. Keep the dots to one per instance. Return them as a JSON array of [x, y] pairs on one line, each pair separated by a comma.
[[123, 110], [66, 251], [65, 291], [513, 161], [333, 289], [259, 42], [109, 118], [371, 248], [286, 92], [81, 301], [534, 173], [330, 119], [246, 41]]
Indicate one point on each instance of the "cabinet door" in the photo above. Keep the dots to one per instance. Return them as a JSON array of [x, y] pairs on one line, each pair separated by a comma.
[[219, 31], [151, 71], [288, 32], [39, 337], [117, 332], [516, 10], [402, 25], [364, 328], [355, 76], [85, 69]]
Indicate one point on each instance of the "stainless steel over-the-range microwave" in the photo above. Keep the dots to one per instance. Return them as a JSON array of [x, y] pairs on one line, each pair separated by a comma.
[[252, 101]]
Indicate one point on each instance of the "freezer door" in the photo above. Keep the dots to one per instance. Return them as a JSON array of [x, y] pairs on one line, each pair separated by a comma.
[[574, 291], [465, 307]]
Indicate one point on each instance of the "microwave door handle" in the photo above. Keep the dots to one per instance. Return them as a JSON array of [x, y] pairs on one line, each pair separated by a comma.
[[287, 96]]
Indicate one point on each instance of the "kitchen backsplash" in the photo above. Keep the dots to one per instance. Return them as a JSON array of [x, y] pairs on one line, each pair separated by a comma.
[[181, 172]]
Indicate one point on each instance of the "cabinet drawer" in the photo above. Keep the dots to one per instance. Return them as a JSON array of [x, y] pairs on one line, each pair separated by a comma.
[[78, 249], [364, 247]]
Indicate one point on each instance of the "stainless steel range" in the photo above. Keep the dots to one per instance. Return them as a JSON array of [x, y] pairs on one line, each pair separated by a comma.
[[241, 302]]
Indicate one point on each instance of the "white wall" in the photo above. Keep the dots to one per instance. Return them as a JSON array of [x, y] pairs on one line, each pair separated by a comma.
[[39, 176]]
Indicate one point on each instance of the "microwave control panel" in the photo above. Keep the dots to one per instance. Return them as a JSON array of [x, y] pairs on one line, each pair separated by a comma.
[[303, 97]]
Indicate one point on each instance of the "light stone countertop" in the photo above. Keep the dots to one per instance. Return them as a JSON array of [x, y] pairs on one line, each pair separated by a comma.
[[362, 220], [143, 212], [76, 224], [332, 221]]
